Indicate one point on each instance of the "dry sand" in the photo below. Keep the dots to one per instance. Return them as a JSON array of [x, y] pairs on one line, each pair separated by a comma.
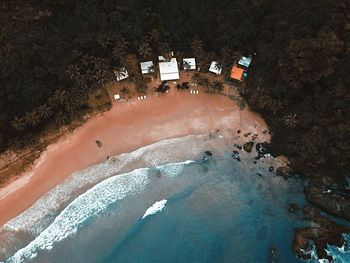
[[125, 128]]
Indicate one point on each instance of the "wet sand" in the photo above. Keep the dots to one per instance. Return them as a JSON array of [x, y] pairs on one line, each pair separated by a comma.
[[125, 128]]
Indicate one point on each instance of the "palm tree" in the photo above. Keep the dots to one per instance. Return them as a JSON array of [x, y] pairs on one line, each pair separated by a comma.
[[274, 105], [45, 111], [164, 48], [141, 88], [124, 91], [70, 105], [61, 118], [155, 36], [290, 120], [76, 53], [32, 118], [14, 144], [217, 86], [80, 81], [196, 77], [73, 70], [144, 50], [18, 124], [197, 47], [122, 45], [205, 82], [104, 41], [29, 139], [225, 53], [60, 96]]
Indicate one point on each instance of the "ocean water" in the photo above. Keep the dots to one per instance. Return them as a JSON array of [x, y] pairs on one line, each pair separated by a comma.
[[168, 202]]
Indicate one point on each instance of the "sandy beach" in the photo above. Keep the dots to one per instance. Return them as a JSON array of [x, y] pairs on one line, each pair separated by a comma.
[[126, 127]]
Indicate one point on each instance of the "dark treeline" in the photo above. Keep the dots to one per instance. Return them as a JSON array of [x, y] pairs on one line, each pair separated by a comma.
[[53, 53], [300, 82]]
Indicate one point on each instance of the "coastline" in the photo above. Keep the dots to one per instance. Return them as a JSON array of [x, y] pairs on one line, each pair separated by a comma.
[[126, 127]]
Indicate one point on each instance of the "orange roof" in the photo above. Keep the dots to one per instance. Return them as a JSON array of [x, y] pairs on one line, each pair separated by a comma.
[[236, 73]]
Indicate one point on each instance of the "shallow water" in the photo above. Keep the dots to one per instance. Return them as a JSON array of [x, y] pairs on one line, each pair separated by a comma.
[[212, 209]]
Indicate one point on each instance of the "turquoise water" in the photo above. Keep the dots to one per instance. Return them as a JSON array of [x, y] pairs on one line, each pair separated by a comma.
[[214, 209]]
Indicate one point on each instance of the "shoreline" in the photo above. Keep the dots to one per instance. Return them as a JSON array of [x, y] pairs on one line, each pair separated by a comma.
[[175, 114]]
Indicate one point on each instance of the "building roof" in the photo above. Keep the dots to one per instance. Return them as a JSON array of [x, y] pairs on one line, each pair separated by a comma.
[[122, 74], [191, 62], [145, 67], [236, 73], [214, 69], [116, 96], [169, 70], [162, 58], [244, 61]]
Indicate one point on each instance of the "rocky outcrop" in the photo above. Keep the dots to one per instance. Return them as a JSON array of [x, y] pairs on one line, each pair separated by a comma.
[[248, 147], [293, 208], [285, 171], [264, 148], [334, 202], [235, 155], [327, 232]]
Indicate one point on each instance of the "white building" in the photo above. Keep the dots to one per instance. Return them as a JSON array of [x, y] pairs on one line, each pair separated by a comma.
[[162, 58], [169, 70], [244, 61], [213, 68], [191, 62], [146, 67], [121, 74]]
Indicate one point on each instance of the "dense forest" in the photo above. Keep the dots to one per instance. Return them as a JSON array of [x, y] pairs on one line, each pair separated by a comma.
[[53, 53]]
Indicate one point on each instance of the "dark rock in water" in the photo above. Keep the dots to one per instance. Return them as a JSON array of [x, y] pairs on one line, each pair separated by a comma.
[[209, 153], [239, 131], [254, 162], [158, 174], [271, 169], [238, 146], [248, 146], [99, 144], [262, 149], [273, 251], [293, 208], [285, 171], [247, 134], [235, 155], [259, 174], [334, 202], [327, 232]]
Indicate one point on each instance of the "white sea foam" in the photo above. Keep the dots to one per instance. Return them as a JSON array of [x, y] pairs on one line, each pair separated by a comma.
[[32, 219], [93, 203], [155, 208]]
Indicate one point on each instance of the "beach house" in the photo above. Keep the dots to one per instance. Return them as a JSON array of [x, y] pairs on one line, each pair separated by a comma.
[[147, 67], [215, 68], [169, 70], [189, 63], [236, 73], [244, 61], [121, 74]]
